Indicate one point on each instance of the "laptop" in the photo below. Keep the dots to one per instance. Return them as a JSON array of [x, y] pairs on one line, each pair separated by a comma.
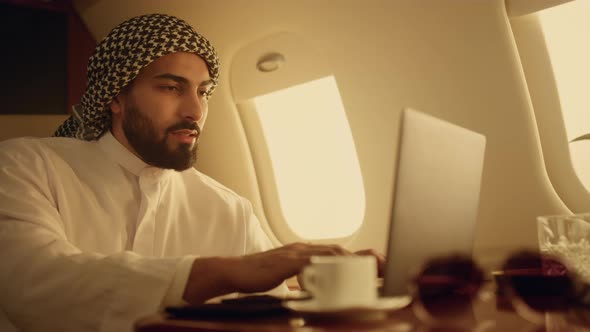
[[436, 196]]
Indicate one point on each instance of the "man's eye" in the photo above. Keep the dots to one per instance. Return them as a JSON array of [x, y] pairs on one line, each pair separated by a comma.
[[170, 88]]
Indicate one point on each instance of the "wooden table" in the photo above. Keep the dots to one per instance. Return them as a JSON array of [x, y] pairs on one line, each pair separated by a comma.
[[487, 314]]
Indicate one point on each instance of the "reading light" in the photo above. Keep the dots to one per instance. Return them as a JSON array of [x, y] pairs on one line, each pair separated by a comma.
[[270, 62]]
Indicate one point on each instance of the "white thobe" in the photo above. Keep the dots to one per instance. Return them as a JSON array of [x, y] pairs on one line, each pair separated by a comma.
[[92, 238]]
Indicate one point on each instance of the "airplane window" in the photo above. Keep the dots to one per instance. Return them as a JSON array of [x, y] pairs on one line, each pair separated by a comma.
[[313, 161], [565, 29]]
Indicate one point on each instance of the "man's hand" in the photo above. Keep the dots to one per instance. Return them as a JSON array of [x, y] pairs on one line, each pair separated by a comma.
[[215, 276], [380, 259]]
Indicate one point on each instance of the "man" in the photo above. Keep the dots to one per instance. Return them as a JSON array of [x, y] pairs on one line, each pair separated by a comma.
[[109, 221]]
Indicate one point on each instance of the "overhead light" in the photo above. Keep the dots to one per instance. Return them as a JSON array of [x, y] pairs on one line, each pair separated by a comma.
[[270, 62]]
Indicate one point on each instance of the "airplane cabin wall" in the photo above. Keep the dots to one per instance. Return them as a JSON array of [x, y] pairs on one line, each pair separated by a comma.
[[454, 59]]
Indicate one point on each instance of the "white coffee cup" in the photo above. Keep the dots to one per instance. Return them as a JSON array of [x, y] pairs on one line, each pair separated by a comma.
[[341, 281]]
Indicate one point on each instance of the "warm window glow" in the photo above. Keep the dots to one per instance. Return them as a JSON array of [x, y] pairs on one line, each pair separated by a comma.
[[313, 158], [567, 32]]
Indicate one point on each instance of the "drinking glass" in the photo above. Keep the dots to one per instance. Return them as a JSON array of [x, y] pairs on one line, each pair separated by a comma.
[[568, 238]]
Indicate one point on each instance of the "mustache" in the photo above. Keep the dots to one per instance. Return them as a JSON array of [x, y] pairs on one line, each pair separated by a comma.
[[185, 125]]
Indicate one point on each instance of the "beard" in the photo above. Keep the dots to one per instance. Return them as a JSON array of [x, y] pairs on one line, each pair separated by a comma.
[[142, 135]]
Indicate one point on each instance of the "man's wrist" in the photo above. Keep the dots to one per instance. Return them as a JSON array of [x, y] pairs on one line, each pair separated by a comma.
[[174, 295], [210, 277]]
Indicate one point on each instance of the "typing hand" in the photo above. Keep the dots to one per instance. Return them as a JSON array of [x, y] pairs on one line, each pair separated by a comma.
[[267, 270], [215, 276]]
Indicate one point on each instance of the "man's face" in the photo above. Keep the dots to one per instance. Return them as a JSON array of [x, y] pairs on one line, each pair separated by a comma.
[[160, 116]]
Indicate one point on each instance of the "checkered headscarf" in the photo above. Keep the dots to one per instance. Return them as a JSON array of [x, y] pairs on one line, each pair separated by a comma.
[[120, 56]]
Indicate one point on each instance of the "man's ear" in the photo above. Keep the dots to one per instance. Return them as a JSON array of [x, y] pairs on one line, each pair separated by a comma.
[[116, 105]]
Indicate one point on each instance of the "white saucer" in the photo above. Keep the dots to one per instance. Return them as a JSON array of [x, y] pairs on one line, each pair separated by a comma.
[[311, 307]]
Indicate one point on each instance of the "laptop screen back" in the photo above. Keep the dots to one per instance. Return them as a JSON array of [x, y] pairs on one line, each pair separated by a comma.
[[436, 195]]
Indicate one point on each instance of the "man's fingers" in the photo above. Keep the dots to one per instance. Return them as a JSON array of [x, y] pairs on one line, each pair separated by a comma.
[[371, 252], [266, 269], [319, 249], [380, 259]]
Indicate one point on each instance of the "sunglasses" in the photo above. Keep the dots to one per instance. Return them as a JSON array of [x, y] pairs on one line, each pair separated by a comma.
[[530, 283]]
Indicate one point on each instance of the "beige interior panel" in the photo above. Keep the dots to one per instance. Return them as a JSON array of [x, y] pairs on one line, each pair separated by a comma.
[[543, 90]]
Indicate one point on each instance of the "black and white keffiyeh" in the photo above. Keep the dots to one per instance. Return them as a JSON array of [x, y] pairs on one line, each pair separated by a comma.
[[120, 56]]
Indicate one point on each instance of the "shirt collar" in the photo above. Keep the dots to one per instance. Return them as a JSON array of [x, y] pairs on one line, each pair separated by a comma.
[[120, 154]]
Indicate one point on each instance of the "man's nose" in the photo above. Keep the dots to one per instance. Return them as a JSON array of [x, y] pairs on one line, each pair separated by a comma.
[[194, 107]]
